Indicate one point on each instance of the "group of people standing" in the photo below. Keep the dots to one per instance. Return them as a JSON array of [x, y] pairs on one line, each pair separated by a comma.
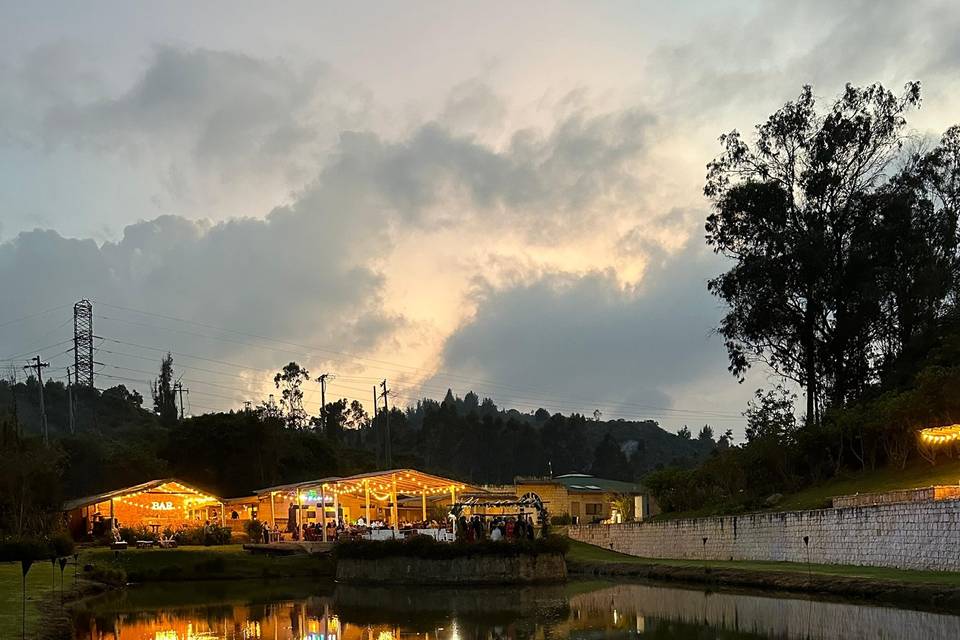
[[499, 528]]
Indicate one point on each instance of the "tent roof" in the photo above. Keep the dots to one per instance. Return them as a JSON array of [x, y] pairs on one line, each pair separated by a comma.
[[143, 487], [409, 481]]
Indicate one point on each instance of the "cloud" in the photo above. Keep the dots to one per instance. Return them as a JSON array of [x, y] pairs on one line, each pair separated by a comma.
[[569, 341], [297, 275], [219, 133]]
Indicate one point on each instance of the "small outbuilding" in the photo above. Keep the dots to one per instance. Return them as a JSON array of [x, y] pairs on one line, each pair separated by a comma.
[[156, 505]]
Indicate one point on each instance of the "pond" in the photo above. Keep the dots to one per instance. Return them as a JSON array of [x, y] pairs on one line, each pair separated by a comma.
[[580, 610]]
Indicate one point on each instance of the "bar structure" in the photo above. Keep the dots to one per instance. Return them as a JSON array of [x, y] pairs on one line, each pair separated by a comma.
[[161, 504]]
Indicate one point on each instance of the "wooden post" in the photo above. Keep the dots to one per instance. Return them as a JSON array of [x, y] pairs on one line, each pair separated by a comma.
[[336, 509], [395, 515], [222, 509], [112, 524], [299, 519], [366, 496], [453, 495], [423, 503], [323, 513], [273, 515]]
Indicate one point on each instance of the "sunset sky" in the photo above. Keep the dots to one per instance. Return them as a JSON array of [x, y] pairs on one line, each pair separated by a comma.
[[505, 197]]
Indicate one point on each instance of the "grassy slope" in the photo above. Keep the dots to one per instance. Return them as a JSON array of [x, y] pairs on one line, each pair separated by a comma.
[[39, 586], [580, 552], [917, 475]]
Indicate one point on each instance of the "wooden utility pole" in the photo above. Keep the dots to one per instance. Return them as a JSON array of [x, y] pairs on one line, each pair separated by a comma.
[[178, 388], [388, 448], [40, 366], [373, 422], [73, 428], [322, 379]]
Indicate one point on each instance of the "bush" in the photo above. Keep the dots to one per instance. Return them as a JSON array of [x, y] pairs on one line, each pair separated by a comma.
[[208, 536], [254, 529], [130, 535], [58, 546], [428, 548], [561, 520]]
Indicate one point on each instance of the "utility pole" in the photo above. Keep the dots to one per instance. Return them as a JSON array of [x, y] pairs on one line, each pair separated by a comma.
[[178, 388], [388, 452], [73, 426], [373, 423], [322, 379], [39, 366]]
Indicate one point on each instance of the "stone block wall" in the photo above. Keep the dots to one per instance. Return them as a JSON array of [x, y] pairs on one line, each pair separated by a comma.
[[939, 492], [914, 535]]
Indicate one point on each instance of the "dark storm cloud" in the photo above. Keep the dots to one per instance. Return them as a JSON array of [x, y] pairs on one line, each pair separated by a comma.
[[539, 179], [294, 275], [583, 336]]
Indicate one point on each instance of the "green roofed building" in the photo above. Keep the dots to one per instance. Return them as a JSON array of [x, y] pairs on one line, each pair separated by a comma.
[[587, 499]]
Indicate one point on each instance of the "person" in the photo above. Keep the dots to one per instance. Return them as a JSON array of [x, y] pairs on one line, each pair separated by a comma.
[[530, 531], [495, 535], [520, 531], [265, 533], [508, 533]]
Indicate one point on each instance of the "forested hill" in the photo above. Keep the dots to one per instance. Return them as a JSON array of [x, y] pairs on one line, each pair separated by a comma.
[[117, 441]]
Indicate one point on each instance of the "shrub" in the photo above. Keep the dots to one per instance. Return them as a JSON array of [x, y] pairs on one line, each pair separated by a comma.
[[254, 529], [58, 546], [131, 534], [208, 536], [561, 520]]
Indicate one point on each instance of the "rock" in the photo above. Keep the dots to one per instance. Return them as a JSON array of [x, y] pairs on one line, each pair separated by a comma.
[[773, 500]]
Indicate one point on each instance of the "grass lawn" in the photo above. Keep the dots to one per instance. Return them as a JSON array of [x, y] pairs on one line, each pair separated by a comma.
[[39, 585], [915, 476], [581, 552], [205, 563]]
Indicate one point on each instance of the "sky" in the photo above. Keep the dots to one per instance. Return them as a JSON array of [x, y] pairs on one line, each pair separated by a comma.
[[504, 197]]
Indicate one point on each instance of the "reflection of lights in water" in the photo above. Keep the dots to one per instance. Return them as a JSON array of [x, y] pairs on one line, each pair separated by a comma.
[[616, 618], [641, 624], [454, 630], [250, 630], [385, 635], [166, 634]]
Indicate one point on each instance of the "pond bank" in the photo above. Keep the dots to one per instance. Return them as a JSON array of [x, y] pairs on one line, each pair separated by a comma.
[[937, 590]]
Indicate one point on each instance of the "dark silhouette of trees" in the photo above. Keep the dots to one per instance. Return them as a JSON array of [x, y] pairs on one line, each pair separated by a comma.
[[289, 380], [164, 401], [793, 213]]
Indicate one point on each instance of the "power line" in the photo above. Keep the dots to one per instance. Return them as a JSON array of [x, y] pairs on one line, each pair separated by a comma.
[[33, 315], [669, 412], [355, 357]]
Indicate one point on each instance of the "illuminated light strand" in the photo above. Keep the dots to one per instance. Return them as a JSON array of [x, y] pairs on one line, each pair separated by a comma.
[[940, 435]]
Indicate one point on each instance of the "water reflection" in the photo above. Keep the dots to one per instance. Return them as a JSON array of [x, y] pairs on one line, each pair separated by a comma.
[[580, 611]]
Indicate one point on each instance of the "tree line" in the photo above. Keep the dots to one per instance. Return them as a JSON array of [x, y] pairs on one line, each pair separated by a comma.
[[841, 227]]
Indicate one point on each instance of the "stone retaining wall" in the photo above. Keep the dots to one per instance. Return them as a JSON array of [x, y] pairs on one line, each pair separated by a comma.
[[916, 535], [481, 569], [926, 494]]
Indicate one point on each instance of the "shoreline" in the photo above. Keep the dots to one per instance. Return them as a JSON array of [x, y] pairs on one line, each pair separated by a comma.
[[897, 593]]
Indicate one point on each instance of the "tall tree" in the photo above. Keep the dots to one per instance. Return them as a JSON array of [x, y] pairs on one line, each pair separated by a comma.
[[289, 380], [164, 401], [789, 212]]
